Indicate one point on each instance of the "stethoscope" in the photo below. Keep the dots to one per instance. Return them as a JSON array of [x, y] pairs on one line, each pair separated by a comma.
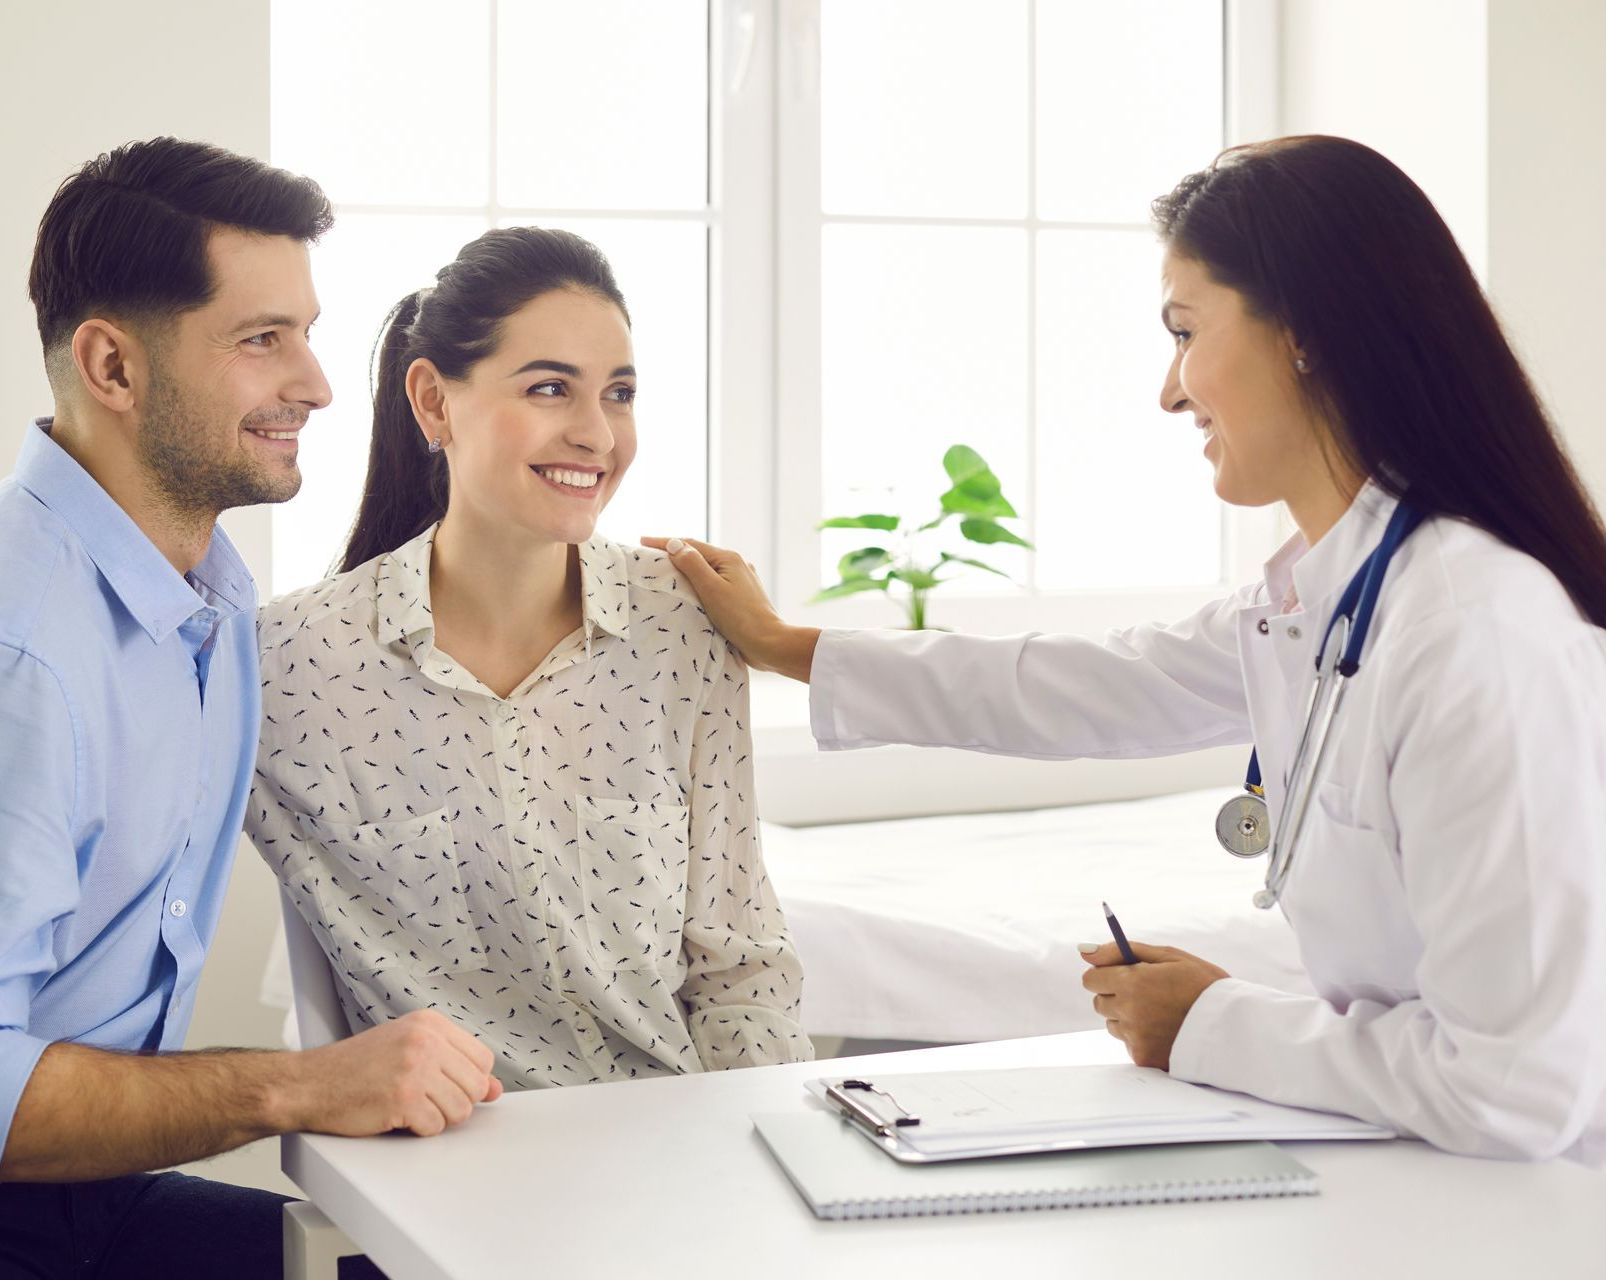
[[1244, 826]]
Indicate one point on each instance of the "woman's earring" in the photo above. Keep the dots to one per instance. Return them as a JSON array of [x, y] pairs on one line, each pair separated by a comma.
[[1301, 364], [435, 445]]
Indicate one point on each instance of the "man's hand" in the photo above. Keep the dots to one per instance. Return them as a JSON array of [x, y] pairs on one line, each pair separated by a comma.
[[734, 600], [420, 1072], [1143, 1004]]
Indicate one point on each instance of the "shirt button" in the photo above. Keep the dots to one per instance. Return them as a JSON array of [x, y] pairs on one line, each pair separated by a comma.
[[178, 907], [1293, 633], [1263, 626]]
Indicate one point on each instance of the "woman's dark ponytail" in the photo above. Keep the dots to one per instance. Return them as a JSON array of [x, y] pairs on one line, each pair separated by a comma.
[[454, 324], [406, 487]]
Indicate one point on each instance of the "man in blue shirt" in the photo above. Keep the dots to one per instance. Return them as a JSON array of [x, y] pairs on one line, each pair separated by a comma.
[[174, 300]]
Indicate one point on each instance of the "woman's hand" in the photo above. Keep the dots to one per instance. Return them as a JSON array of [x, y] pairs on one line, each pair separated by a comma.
[[1143, 1004], [735, 602]]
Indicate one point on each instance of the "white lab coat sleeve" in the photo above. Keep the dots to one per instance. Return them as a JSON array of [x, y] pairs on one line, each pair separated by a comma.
[[1149, 690], [1498, 748]]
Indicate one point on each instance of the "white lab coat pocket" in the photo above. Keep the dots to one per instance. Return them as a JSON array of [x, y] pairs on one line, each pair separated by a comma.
[[1347, 905], [391, 896], [633, 873]]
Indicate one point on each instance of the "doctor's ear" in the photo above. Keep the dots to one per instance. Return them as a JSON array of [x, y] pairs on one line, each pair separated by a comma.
[[1296, 353], [426, 392], [108, 363]]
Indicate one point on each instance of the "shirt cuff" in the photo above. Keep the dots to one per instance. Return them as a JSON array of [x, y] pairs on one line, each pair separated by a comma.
[[19, 1054], [737, 1035], [824, 677], [1197, 1050]]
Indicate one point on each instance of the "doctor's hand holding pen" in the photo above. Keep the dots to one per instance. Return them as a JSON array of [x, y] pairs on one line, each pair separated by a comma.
[[1144, 1001], [735, 602]]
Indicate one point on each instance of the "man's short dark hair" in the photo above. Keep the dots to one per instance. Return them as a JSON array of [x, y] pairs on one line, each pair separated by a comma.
[[126, 234]]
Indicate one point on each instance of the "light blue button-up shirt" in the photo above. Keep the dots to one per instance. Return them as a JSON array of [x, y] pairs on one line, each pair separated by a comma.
[[129, 707]]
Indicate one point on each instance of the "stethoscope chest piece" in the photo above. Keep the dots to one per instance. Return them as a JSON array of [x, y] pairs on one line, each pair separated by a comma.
[[1243, 826]]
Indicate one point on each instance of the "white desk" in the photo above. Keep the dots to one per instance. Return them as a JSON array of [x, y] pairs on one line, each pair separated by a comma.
[[592, 1181]]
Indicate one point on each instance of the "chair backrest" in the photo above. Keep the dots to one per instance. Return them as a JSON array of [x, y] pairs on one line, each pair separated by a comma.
[[319, 1017]]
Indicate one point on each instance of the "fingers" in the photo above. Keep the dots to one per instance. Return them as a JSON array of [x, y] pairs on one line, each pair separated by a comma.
[[470, 1047], [692, 562], [1101, 953], [1155, 955], [676, 547], [1108, 953]]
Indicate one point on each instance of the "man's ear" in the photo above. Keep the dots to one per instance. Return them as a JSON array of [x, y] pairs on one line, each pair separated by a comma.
[[112, 365], [426, 392]]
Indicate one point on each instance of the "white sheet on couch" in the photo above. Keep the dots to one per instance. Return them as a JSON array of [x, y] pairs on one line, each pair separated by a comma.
[[965, 927]]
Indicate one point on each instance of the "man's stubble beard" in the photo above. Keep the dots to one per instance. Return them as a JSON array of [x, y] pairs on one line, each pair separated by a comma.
[[194, 474]]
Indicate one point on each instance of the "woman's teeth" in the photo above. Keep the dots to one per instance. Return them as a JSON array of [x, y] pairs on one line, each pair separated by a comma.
[[574, 479]]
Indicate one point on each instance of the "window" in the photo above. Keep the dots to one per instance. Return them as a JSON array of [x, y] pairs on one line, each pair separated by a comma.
[[851, 232], [969, 260], [428, 124]]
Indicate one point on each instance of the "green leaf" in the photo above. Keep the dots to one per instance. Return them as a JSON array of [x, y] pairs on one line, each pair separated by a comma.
[[989, 531], [919, 579], [974, 564], [851, 587], [884, 523], [962, 462], [932, 524], [976, 490], [973, 499], [858, 564]]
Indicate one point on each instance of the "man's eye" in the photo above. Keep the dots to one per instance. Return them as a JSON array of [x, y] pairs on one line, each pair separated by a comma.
[[261, 340]]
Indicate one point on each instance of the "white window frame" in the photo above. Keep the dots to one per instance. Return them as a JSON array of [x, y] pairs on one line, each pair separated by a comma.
[[765, 481]]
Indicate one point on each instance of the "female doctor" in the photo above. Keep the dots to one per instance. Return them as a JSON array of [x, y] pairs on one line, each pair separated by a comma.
[[1446, 876]]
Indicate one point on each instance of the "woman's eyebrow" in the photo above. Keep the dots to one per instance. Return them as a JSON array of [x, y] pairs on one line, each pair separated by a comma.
[[569, 370], [1171, 307]]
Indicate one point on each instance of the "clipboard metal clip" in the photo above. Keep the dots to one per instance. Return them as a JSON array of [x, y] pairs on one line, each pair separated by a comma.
[[861, 1113]]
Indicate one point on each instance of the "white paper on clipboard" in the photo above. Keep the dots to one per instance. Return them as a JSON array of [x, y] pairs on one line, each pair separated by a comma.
[[1009, 1111]]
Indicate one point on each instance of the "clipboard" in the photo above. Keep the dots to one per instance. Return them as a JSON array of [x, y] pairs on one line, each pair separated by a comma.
[[931, 1117]]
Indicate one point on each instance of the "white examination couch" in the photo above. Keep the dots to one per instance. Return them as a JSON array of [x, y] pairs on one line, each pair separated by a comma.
[[963, 928]]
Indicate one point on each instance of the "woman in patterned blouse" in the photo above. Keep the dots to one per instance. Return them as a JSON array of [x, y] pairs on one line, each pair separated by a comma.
[[506, 769]]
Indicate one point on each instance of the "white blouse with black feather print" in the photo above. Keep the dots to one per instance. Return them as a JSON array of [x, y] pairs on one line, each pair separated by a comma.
[[572, 872]]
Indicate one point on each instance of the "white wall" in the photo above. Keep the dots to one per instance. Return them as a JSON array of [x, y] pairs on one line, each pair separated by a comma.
[[78, 77], [1495, 107], [1547, 198]]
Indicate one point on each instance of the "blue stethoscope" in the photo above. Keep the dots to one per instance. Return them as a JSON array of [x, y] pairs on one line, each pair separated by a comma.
[[1244, 826]]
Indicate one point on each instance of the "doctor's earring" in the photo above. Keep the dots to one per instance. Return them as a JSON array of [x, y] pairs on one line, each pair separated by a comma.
[[1302, 364], [435, 445]]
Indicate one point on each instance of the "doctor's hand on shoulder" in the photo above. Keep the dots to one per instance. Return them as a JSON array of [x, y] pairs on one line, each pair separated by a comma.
[[1143, 1005], [734, 599]]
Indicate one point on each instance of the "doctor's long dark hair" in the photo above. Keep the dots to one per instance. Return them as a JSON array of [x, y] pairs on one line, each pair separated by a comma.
[[454, 324], [1409, 364]]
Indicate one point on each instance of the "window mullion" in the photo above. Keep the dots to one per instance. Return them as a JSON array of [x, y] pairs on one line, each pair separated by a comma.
[[798, 382], [741, 277]]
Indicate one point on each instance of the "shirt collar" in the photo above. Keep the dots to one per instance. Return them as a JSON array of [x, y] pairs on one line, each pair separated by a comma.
[[401, 590], [1309, 577], [155, 594]]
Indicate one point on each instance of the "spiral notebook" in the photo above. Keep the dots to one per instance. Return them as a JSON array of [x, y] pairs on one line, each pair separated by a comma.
[[842, 1176]]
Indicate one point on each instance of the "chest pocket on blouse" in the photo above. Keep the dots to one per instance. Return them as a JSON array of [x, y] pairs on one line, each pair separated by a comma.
[[391, 894], [633, 873]]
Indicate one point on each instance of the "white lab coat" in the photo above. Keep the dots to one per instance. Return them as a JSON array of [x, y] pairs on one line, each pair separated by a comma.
[[1449, 894]]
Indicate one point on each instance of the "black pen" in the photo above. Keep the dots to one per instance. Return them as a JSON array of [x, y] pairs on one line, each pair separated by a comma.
[[1120, 937]]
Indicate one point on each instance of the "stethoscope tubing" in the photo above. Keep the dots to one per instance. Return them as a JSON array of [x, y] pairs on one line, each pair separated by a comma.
[[1352, 620]]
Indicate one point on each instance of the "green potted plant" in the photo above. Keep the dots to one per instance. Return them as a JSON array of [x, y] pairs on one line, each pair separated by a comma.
[[975, 497]]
